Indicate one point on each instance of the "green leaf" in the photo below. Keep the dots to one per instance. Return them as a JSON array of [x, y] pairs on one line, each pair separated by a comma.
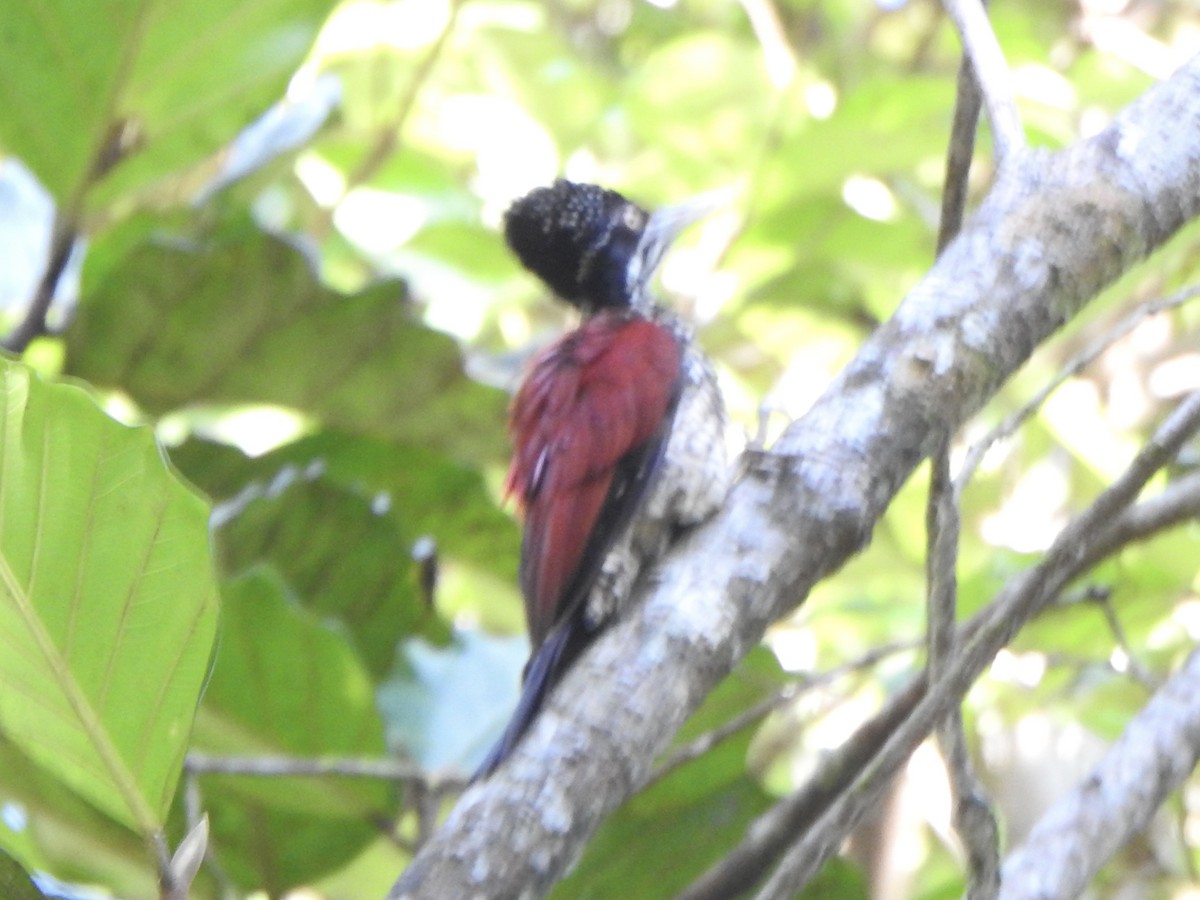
[[337, 515], [162, 84], [284, 684], [107, 603], [343, 560], [717, 95], [51, 829], [15, 883], [264, 848], [429, 492], [273, 334], [838, 878], [874, 129]]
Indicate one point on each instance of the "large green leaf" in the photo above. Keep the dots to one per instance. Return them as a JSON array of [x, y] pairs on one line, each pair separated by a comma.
[[50, 829], [337, 515], [343, 561], [245, 320], [263, 847], [107, 603], [284, 684], [429, 492], [169, 82]]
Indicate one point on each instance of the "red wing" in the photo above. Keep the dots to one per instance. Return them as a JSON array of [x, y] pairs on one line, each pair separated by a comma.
[[591, 400]]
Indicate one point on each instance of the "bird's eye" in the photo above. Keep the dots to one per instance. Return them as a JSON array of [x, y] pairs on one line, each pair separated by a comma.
[[633, 217]]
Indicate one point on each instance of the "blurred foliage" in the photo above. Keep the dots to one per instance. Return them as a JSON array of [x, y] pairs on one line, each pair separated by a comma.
[[300, 692], [311, 305], [15, 882]]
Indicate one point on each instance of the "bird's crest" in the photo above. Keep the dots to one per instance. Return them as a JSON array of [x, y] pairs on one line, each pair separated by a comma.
[[581, 239]]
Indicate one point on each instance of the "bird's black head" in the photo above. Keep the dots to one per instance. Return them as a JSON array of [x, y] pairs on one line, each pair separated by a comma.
[[582, 240]]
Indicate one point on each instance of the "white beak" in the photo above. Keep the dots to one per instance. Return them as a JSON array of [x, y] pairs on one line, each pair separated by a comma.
[[665, 225]]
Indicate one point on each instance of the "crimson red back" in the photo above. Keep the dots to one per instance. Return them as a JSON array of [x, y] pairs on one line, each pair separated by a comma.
[[589, 402]]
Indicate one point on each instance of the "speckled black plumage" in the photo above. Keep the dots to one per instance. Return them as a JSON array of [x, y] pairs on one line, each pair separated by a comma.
[[579, 239]]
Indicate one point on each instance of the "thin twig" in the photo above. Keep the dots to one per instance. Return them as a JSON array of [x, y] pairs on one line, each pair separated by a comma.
[[388, 135], [1178, 502], [974, 820], [769, 834], [1140, 673], [346, 767], [193, 806], [387, 139], [426, 789], [992, 75], [941, 561], [1077, 364], [959, 153], [1023, 597], [777, 53], [62, 242], [973, 817], [759, 711]]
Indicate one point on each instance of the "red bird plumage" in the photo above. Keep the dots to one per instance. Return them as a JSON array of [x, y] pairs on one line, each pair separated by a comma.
[[596, 428], [588, 402]]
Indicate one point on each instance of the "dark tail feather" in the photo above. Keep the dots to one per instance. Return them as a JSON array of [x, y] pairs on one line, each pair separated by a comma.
[[542, 672]]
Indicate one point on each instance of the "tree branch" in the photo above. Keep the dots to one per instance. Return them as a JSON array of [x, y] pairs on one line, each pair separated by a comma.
[[62, 242], [960, 151], [292, 767], [991, 75], [1154, 754], [973, 817], [1049, 236], [1022, 598], [759, 711], [1077, 364], [770, 834]]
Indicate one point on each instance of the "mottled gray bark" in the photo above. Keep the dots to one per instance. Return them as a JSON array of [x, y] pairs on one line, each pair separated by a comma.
[[1052, 233], [1153, 756]]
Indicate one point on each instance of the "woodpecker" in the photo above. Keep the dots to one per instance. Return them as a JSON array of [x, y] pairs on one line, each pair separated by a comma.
[[618, 429]]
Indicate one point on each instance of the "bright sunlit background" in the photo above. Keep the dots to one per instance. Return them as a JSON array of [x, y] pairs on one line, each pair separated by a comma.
[[330, 446]]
